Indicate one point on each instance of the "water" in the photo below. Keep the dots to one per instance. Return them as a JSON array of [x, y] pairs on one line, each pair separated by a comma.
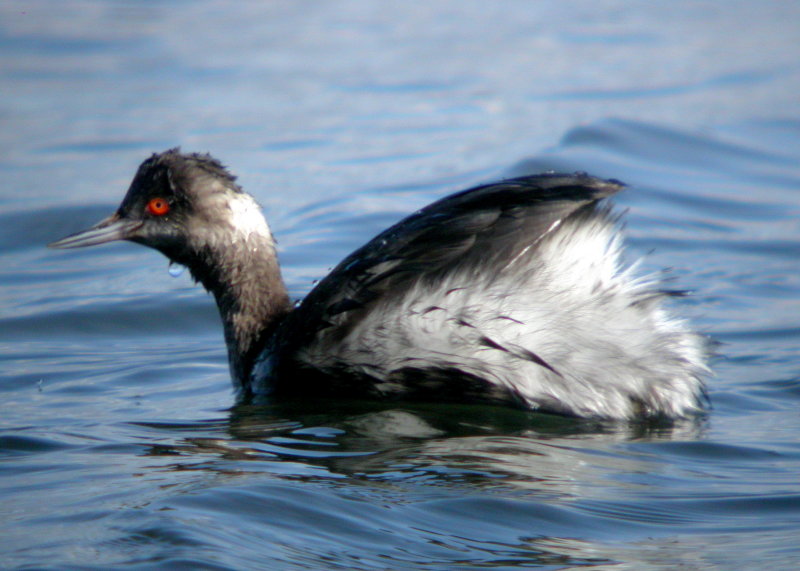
[[121, 443], [175, 270]]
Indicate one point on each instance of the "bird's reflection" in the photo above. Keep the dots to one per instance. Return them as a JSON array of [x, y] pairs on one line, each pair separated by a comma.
[[482, 445]]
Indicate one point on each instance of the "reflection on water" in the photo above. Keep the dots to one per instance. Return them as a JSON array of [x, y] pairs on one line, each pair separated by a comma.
[[505, 447], [501, 474]]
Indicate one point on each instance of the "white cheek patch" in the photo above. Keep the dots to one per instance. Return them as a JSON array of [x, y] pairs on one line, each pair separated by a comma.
[[246, 217], [228, 221]]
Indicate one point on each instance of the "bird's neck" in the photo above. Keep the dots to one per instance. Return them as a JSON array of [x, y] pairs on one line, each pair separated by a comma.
[[243, 274]]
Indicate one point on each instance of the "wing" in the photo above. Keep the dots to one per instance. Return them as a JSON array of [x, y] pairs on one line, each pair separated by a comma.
[[511, 293], [484, 228]]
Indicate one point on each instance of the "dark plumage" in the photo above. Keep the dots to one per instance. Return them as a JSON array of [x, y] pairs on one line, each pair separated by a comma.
[[509, 292]]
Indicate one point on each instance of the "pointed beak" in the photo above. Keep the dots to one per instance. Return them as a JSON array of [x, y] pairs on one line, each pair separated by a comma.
[[112, 228]]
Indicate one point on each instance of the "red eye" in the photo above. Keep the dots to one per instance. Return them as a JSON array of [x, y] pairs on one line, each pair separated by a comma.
[[158, 206]]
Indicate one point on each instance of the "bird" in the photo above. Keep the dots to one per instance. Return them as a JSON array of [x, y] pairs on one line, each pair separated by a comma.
[[513, 293]]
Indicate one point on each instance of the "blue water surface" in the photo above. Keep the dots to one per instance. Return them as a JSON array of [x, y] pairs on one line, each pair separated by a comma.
[[121, 444]]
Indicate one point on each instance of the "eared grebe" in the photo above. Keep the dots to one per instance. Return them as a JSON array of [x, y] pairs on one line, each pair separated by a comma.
[[509, 293]]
